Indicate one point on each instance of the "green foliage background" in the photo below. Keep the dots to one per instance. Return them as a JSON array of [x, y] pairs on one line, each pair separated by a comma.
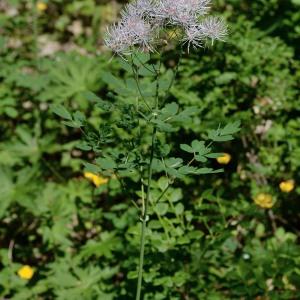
[[207, 239]]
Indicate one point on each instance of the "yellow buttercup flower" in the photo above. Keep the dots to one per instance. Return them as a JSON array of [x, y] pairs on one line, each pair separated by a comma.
[[89, 175], [41, 6], [264, 200], [287, 186], [224, 159], [26, 272], [97, 180]]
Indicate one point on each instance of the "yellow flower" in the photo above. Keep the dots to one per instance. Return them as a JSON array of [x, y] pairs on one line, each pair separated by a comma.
[[264, 200], [287, 186], [26, 272], [97, 180], [89, 175], [41, 6], [224, 159]]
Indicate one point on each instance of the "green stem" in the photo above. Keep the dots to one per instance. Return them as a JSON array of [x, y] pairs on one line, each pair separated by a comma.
[[144, 219], [35, 33]]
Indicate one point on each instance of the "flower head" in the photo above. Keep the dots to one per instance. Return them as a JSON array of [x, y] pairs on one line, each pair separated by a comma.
[[175, 13], [287, 186], [182, 12], [193, 37], [26, 272], [214, 28], [97, 180], [139, 31], [201, 7], [141, 8], [142, 20], [131, 31], [264, 200], [224, 159]]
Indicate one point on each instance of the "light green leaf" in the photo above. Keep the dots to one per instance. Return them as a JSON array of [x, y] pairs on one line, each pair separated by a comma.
[[179, 208], [162, 208], [61, 111], [186, 148], [106, 163]]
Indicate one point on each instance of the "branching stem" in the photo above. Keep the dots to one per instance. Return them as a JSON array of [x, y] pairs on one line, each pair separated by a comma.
[[144, 217]]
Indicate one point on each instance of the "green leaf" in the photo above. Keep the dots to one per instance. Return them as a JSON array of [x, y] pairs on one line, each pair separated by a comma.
[[175, 195], [106, 163], [147, 70], [225, 134], [105, 247], [225, 138], [11, 112], [79, 118], [202, 171], [112, 80], [185, 115], [165, 80], [173, 162], [90, 96], [214, 155], [118, 85], [185, 170], [7, 191], [72, 124], [124, 64], [170, 109], [183, 240], [226, 78], [132, 275], [140, 58], [83, 146], [163, 126], [163, 183], [91, 168], [199, 146], [200, 158], [179, 208], [231, 128], [61, 111], [162, 208], [186, 148], [174, 173]]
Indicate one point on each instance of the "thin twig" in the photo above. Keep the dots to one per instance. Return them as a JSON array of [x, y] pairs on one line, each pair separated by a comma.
[[10, 250], [136, 79], [162, 194]]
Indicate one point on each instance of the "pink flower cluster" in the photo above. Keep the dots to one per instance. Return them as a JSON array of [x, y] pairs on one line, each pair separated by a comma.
[[142, 20]]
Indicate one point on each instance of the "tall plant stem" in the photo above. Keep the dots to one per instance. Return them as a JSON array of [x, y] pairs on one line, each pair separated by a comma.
[[144, 220], [35, 31]]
